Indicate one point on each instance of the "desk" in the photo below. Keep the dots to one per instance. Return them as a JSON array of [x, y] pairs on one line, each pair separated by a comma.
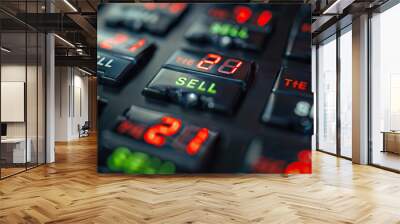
[[16, 147], [391, 141]]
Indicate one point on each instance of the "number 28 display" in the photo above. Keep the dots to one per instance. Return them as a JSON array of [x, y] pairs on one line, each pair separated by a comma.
[[211, 63]]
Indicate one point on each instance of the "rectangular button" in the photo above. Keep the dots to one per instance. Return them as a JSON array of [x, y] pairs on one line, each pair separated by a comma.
[[166, 137], [220, 66], [252, 16], [226, 35], [101, 104], [294, 80], [112, 69], [299, 46], [291, 111], [124, 45], [155, 18], [194, 90]]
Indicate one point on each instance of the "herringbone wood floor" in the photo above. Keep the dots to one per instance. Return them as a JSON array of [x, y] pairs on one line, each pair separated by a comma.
[[70, 191]]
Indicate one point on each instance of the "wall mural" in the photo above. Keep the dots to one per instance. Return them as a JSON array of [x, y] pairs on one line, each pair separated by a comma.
[[204, 88]]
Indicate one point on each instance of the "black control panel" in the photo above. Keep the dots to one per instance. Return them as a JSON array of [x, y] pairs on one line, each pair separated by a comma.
[[204, 88]]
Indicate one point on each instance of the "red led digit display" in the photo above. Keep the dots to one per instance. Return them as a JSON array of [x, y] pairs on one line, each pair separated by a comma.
[[109, 43], [137, 45], [156, 134], [218, 13], [208, 61], [230, 66], [175, 8], [195, 144], [296, 84], [133, 130], [211, 63], [184, 61], [150, 6]]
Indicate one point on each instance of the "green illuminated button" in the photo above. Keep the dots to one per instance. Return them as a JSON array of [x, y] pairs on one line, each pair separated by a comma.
[[167, 168], [195, 90], [135, 163], [227, 35], [226, 29], [116, 160]]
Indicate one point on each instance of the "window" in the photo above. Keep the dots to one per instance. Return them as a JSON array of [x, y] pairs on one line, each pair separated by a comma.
[[385, 89], [346, 92], [327, 96]]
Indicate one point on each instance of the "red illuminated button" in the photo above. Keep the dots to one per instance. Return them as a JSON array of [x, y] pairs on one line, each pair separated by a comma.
[[254, 18], [166, 137], [124, 45], [242, 14], [264, 18], [211, 63]]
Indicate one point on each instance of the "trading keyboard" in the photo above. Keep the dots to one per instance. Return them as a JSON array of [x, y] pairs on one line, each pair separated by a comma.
[[204, 88]]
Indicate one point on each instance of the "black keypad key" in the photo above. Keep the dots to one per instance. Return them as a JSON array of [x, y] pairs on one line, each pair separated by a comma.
[[101, 104], [125, 45], [254, 17], [195, 90], [155, 18], [164, 136], [226, 35], [119, 54], [211, 63], [291, 111], [299, 46], [111, 69], [294, 80]]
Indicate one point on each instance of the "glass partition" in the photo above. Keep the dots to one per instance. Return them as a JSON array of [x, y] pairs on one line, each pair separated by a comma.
[[346, 93], [22, 101], [14, 153], [327, 95], [385, 89]]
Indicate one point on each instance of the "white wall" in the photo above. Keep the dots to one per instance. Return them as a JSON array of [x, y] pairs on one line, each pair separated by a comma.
[[14, 72], [71, 102], [33, 126]]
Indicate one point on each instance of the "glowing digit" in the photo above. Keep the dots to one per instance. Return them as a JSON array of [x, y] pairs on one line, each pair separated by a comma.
[[195, 144], [140, 43], [208, 61], [230, 66], [110, 42], [156, 134]]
